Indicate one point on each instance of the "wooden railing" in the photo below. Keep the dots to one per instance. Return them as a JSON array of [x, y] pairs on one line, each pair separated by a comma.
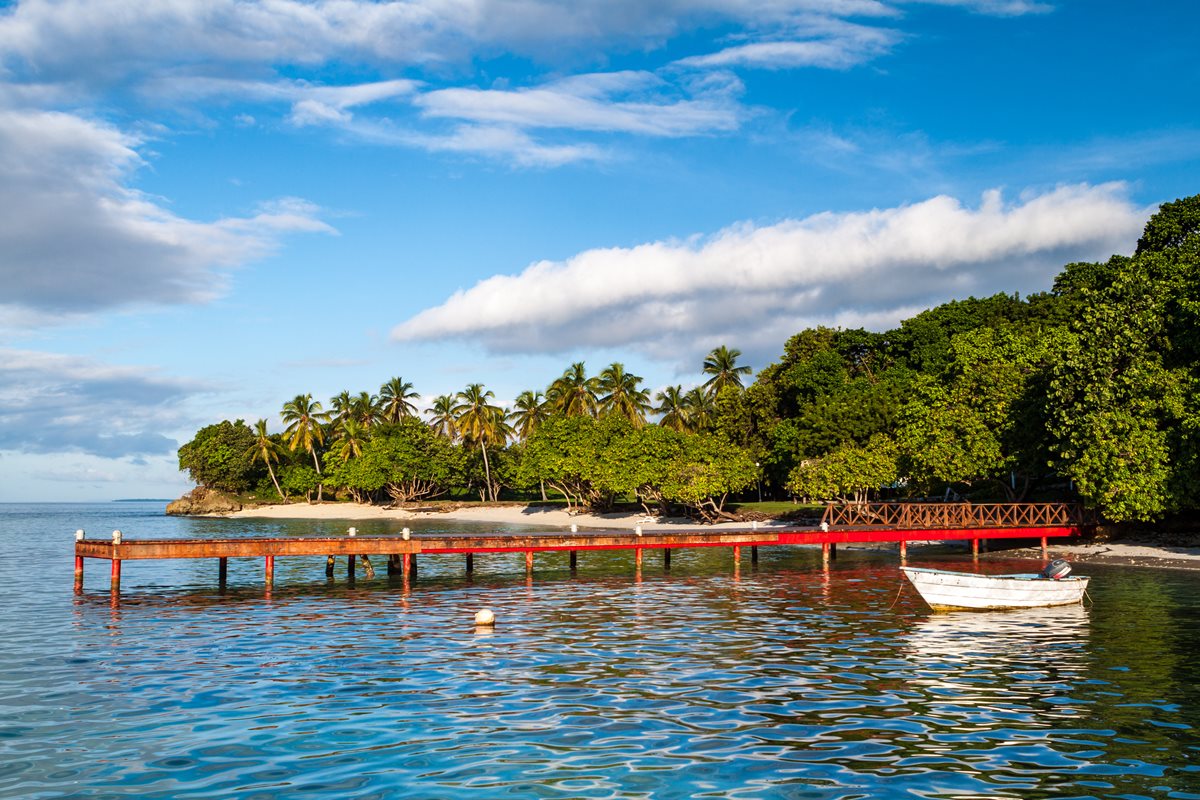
[[957, 515]]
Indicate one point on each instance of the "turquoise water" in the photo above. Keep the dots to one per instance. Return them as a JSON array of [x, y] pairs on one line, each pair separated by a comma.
[[781, 681]]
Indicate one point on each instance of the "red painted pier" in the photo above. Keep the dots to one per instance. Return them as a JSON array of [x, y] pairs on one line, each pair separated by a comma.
[[842, 524]]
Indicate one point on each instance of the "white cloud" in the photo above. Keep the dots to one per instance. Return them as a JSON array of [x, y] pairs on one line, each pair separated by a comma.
[[824, 43], [626, 102], [748, 281], [74, 237]]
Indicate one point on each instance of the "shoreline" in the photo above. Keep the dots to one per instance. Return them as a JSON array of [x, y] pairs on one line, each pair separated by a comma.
[[1121, 553]]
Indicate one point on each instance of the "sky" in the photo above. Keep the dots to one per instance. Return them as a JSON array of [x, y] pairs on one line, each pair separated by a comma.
[[211, 206]]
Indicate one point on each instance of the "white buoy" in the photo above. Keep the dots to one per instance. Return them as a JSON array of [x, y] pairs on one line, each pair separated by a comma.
[[825, 526], [116, 537], [485, 618], [352, 532], [406, 534], [79, 535]]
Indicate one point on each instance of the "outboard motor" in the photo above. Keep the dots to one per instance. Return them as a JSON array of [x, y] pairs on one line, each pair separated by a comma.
[[1056, 569]]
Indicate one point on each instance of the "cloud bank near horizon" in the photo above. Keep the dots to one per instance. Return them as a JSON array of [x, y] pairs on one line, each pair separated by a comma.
[[52, 403], [752, 286]]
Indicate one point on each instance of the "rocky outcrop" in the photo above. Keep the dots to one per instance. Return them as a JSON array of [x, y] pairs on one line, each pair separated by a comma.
[[204, 501]]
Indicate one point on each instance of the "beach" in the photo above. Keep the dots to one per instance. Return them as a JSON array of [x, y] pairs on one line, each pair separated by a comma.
[[1128, 552]]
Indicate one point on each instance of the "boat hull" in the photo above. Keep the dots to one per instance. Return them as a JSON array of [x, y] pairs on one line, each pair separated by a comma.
[[953, 591]]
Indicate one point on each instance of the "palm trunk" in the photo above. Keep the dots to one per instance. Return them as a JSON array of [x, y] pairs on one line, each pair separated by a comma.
[[271, 472], [487, 471], [320, 483]]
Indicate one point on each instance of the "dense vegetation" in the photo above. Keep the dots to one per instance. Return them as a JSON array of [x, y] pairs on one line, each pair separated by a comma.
[[1088, 390]]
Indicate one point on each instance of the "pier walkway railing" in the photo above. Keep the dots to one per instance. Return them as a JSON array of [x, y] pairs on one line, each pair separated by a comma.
[[957, 516]]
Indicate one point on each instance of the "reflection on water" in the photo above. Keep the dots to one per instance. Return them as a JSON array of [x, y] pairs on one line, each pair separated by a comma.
[[784, 682]]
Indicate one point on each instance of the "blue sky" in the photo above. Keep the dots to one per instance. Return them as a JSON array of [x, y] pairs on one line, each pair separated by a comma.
[[212, 206]]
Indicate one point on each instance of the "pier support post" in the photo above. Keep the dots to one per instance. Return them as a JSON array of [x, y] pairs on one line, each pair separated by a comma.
[[825, 553], [470, 563], [116, 574], [574, 560], [975, 548], [222, 571], [392, 564], [833, 551], [666, 558], [753, 554], [329, 562], [350, 567], [528, 562], [1045, 549], [269, 569], [637, 558], [406, 565], [412, 566], [903, 551], [367, 566], [737, 554]]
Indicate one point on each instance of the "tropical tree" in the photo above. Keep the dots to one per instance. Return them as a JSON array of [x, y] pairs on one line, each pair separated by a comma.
[[396, 398], [721, 365], [480, 422], [622, 397], [529, 411], [351, 436], [673, 408], [574, 393], [340, 406], [304, 418], [365, 409], [442, 418], [698, 408], [219, 457], [266, 450]]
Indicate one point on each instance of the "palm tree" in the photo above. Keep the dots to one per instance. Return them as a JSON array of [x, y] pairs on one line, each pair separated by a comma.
[[442, 418], [721, 364], [529, 414], [622, 396], [574, 394], [699, 409], [395, 397], [304, 417], [365, 410], [480, 422], [339, 406], [266, 450], [673, 409], [351, 435]]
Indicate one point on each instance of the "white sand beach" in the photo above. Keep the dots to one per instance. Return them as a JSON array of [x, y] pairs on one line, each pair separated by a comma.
[[1131, 553], [512, 514]]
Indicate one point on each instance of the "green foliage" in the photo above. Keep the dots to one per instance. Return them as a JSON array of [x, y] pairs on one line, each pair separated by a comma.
[[299, 479], [851, 471], [220, 457]]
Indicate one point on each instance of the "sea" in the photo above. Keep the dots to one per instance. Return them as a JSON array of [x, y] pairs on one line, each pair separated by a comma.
[[779, 679]]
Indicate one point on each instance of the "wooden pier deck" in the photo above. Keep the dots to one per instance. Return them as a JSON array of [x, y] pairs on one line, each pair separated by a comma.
[[869, 523]]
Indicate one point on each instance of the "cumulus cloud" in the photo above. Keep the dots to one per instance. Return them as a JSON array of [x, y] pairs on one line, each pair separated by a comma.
[[749, 281], [52, 403], [74, 238]]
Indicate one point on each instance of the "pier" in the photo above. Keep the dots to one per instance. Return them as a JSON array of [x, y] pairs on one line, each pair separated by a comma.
[[900, 523]]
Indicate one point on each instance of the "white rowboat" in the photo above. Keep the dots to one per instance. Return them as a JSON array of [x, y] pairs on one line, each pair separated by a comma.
[[947, 591]]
